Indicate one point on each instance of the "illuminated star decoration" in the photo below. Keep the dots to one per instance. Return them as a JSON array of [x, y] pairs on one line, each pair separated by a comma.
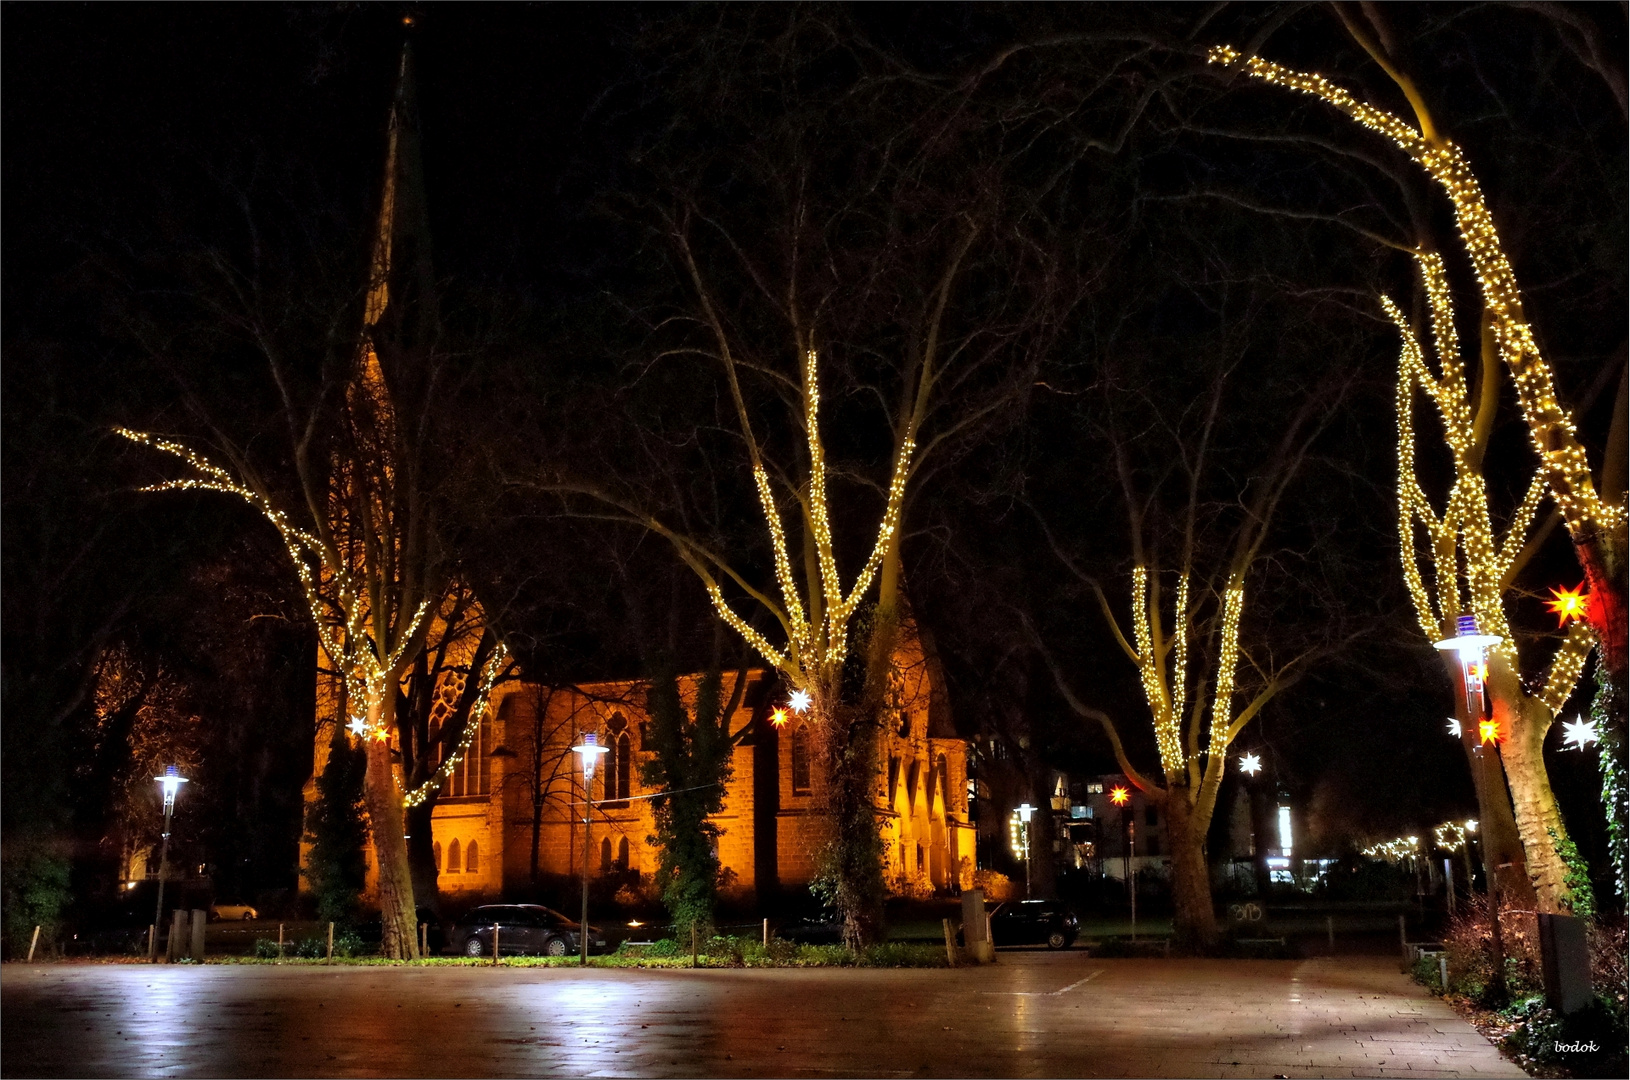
[[1488, 731], [1568, 604], [380, 734], [779, 718], [1118, 796], [1250, 763], [1580, 733], [799, 701], [1454, 727], [358, 726]]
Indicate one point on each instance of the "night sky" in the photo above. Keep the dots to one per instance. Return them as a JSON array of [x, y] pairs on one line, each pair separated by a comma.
[[1150, 229]]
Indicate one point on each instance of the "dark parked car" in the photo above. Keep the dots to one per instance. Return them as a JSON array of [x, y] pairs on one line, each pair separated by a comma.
[[523, 930], [1034, 922]]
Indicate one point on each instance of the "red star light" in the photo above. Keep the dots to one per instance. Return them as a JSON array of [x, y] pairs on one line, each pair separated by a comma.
[[1568, 604]]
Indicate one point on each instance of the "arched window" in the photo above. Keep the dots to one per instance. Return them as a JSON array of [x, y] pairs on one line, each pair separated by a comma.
[[919, 858], [435, 853], [618, 764], [800, 761], [472, 858], [453, 859], [605, 856], [622, 854]]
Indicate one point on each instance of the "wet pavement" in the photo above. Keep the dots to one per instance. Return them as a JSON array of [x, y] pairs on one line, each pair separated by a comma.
[[1033, 1014]]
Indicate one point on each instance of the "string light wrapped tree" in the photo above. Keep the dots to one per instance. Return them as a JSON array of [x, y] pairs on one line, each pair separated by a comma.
[[1463, 535], [360, 500]]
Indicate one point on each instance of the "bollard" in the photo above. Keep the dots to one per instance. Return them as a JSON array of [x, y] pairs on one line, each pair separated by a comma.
[[279, 942], [1403, 943], [152, 942], [424, 939], [693, 943], [199, 918], [950, 943], [1330, 933], [178, 935], [329, 959], [1443, 973], [766, 933], [494, 944], [1449, 880], [33, 943]]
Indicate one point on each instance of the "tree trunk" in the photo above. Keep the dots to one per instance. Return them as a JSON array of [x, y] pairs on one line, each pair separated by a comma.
[[537, 831], [1523, 723], [422, 854], [1601, 556], [1194, 921], [399, 928]]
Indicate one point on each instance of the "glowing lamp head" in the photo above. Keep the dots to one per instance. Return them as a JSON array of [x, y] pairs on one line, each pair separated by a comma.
[[1467, 641], [1250, 764], [778, 718], [799, 701], [170, 783], [588, 752], [1118, 795], [1568, 604], [1471, 824], [1025, 810]]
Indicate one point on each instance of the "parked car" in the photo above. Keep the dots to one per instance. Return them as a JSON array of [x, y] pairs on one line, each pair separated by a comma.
[[1034, 922], [233, 912], [523, 930]]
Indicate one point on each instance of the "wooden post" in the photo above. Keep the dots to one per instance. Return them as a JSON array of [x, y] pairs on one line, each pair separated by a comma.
[[494, 944], [152, 942], [1449, 881], [950, 943], [1330, 933], [1403, 944], [33, 943], [693, 943], [280, 942], [330, 957], [766, 933], [424, 940]]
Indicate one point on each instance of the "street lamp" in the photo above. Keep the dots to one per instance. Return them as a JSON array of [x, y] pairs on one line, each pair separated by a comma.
[[588, 752], [170, 783], [1470, 646], [1025, 810]]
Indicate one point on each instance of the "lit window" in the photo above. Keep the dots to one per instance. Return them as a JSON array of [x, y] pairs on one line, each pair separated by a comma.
[[453, 857]]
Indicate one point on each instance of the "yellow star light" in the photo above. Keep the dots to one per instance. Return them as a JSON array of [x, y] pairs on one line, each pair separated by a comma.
[[1119, 795], [1488, 731], [779, 718]]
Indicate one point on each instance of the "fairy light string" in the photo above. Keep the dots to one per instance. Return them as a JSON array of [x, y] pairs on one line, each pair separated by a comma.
[[1551, 430], [815, 647]]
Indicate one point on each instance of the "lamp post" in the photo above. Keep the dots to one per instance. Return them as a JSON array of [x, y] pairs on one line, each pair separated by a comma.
[[1025, 810], [588, 752], [170, 783]]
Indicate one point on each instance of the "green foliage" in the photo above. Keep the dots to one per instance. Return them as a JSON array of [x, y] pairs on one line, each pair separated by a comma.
[[35, 887], [1605, 713], [337, 831], [1426, 972], [1577, 879], [266, 949], [751, 952], [1545, 1037], [691, 761]]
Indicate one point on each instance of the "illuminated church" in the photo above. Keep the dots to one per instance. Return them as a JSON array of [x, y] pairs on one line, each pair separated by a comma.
[[506, 799]]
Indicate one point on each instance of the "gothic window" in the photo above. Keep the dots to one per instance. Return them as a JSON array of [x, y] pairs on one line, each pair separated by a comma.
[[912, 775], [622, 854], [619, 764], [945, 781], [453, 857], [605, 856], [894, 777], [472, 858], [800, 761], [435, 853], [473, 773]]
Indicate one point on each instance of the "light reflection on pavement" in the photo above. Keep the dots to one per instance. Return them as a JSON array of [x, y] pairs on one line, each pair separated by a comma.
[[1033, 1014]]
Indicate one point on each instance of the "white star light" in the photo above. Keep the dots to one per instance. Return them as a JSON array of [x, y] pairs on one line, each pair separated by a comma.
[[1580, 732], [799, 700], [358, 726], [1250, 763], [1454, 727]]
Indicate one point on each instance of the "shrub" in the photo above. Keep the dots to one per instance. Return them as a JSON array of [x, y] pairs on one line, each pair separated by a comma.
[[1545, 1037], [266, 949]]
